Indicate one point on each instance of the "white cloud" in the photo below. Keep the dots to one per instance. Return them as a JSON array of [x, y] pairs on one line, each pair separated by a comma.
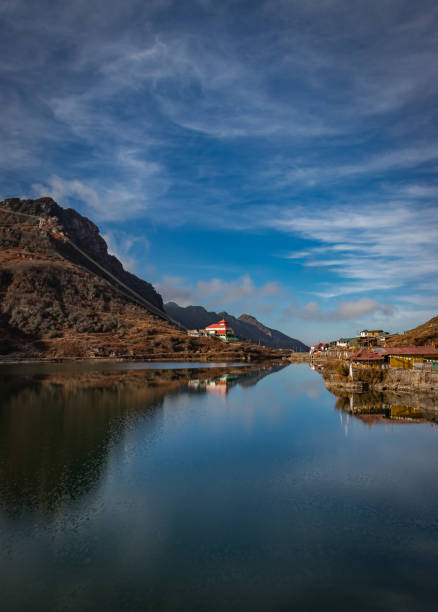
[[107, 203], [284, 173], [345, 310], [216, 293], [176, 289], [128, 249]]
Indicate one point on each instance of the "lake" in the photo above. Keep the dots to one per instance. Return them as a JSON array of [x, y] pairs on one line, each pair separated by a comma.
[[130, 487]]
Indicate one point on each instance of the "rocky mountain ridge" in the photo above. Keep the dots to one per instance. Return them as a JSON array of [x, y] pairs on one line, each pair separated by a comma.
[[246, 326], [83, 232], [56, 302]]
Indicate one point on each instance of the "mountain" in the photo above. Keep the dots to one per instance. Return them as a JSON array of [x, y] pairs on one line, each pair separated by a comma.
[[419, 336], [245, 326], [81, 231], [63, 296]]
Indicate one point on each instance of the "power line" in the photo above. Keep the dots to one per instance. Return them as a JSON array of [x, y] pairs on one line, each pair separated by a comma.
[[143, 301]]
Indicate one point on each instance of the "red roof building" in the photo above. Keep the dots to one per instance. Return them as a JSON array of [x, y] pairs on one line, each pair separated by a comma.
[[222, 329], [420, 351], [366, 356]]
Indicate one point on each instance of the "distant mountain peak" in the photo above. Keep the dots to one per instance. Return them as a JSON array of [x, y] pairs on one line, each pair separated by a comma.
[[247, 318], [246, 326]]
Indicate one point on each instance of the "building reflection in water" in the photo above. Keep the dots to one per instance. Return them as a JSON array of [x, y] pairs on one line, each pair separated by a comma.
[[220, 385], [383, 408]]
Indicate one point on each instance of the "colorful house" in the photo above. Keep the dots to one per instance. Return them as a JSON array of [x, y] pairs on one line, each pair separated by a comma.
[[408, 356], [367, 358], [375, 333], [221, 330], [371, 333], [317, 349]]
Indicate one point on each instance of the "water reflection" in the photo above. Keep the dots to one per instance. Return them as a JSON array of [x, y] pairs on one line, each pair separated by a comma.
[[149, 491], [56, 429], [382, 408], [222, 384]]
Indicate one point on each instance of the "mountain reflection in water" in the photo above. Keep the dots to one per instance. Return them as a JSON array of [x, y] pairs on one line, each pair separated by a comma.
[[213, 489], [56, 429]]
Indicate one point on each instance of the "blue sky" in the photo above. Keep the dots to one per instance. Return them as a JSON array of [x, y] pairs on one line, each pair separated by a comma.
[[278, 158]]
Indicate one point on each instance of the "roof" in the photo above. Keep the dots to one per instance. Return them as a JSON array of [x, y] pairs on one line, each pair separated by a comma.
[[223, 324], [412, 350], [365, 355]]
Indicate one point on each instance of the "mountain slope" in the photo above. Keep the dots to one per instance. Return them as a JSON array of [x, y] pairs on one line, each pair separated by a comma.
[[422, 335], [246, 326], [63, 296], [83, 232]]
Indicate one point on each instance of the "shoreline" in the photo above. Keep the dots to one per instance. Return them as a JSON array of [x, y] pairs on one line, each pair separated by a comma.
[[103, 360], [196, 358], [392, 380]]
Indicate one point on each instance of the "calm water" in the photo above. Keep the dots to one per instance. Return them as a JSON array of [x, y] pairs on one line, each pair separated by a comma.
[[182, 490]]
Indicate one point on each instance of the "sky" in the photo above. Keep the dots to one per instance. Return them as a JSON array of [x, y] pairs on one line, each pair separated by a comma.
[[275, 157]]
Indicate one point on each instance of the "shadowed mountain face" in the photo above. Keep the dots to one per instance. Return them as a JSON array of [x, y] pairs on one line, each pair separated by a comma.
[[83, 232], [245, 326], [53, 298]]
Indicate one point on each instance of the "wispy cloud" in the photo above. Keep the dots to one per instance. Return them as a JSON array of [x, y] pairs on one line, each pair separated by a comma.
[[378, 248], [110, 203], [344, 311], [284, 173], [128, 248]]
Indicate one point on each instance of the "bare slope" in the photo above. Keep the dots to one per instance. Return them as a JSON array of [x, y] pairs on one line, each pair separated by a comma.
[[422, 335], [81, 231], [55, 303]]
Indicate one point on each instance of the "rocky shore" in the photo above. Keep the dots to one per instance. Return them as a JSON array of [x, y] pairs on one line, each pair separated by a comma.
[[394, 379]]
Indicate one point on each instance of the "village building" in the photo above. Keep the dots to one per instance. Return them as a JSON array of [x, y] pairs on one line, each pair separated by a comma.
[[412, 356], [317, 349], [375, 333], [368, 358], [194, 333], [222, 330], [344, 342], [406, 357], [366, 341], [371, 333]]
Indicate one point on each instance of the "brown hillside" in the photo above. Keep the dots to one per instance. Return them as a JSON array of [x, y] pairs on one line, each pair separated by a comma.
[[422, 335], [55, 304]]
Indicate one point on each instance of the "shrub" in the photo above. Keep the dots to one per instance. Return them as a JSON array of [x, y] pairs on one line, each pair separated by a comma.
[[369, 375]]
